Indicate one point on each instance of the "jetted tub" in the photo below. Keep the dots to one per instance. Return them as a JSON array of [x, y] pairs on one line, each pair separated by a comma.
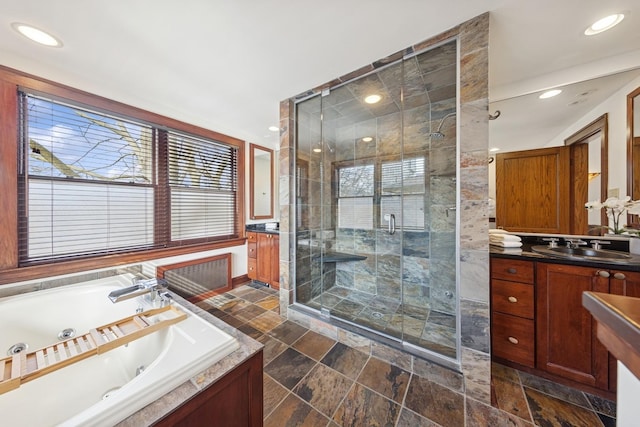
[[103, 389]]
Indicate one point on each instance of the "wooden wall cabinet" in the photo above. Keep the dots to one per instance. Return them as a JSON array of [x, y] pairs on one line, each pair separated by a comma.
[[512, 314], [533, 190], [264, 258]]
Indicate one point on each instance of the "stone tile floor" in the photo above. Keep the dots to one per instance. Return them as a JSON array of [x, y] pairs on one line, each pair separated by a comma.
[[312, 380], [426, 328]]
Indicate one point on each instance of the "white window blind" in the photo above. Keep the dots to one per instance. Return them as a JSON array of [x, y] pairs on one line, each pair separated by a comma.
[[86, 181], [355, 197], [402, 192], [202, 178]]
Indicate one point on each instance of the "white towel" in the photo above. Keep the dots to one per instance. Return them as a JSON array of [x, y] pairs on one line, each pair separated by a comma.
[[506, 244], [504, 238], [497, 231]]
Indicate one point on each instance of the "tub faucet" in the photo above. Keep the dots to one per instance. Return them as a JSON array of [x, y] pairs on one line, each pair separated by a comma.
[[151, 287]]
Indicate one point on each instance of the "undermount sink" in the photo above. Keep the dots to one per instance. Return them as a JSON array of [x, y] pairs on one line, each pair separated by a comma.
[[582, 253]]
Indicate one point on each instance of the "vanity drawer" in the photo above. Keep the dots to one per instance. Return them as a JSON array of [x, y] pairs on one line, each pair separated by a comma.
[[512, 338], [252, 237], [253, 249], [512, 270], [512, 298]]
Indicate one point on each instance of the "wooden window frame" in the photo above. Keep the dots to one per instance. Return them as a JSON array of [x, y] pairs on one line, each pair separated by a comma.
[[10, 271]]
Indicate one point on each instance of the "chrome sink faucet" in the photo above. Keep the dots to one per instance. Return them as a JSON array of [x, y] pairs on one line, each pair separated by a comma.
[[575, 243], [152, 288], [596, 244]]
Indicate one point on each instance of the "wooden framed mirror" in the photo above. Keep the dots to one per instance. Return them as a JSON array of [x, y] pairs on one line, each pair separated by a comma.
[[589, 176], [633, 151], [260, 182]]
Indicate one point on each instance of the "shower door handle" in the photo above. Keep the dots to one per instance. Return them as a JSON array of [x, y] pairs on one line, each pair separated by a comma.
[[392, 224]]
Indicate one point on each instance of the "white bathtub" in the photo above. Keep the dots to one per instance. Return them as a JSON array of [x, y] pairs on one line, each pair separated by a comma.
[[104, 389]]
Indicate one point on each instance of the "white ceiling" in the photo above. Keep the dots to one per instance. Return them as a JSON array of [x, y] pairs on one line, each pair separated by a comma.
[[226, 64]]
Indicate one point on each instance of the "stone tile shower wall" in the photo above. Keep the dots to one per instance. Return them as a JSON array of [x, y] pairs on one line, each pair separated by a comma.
[[473, 298]]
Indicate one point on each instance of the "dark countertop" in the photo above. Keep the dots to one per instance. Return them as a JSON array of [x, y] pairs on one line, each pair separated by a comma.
[[526, 253], [618, 325], [260, 228]]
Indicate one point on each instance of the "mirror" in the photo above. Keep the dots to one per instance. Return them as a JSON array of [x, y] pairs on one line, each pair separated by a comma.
[[589, 173], [260, 182], [527, 122], [633, 150]]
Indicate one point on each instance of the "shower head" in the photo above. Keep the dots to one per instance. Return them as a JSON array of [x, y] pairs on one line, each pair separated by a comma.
[[317, 148], [437, 134]]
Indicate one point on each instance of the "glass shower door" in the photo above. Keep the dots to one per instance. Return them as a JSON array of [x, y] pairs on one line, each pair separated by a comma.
[[376, 202]]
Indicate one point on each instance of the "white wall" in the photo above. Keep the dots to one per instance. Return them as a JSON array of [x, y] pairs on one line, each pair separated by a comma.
[[616, 107], [239, 260]]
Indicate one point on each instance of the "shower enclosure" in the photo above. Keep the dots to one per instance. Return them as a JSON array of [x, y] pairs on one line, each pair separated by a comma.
[[376, 197]]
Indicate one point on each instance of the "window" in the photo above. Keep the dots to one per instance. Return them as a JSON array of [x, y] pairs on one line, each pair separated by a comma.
[[202, 179], [93, 183], [401, 192], [355, 197]]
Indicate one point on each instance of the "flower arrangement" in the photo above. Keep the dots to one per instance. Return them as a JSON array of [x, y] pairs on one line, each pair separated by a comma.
[[614, 208]]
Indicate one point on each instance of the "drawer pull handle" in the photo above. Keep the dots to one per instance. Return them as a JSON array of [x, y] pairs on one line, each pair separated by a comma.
[[513, 340], [619, 276], [603, 273], [513, 299], [512, 270]]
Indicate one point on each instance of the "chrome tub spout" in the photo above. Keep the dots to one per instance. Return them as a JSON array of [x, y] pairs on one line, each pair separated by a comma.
[[139, 287]]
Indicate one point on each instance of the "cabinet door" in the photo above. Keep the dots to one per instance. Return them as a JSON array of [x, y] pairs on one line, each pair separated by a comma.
[[533, 190], [263, 259], [567, 344], [625, 283], [275, 262]]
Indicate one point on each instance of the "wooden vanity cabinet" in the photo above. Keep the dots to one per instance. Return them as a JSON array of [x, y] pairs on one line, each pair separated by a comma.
[[567, 344], [264, 258], [234, 400], [625, 283], [512, 311]]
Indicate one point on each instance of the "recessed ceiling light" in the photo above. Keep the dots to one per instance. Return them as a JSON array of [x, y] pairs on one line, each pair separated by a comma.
[[550, 93], [494, 149], [372, 99], [274, 128], [367, 139], [604, 24], [36, 35]]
